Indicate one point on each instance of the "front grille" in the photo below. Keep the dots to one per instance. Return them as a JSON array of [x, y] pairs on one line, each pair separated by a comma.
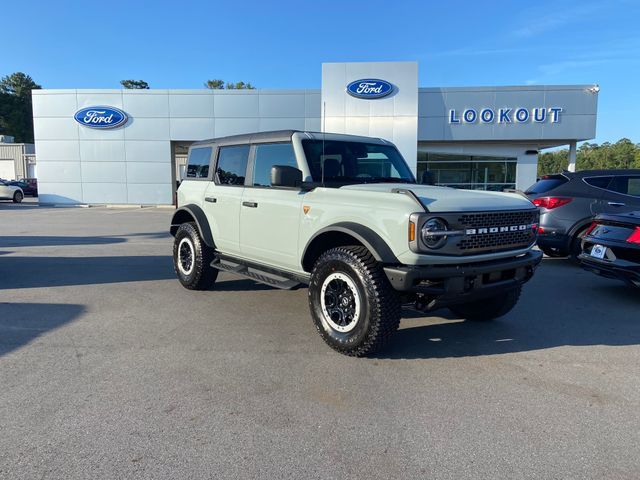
[[496, 241], [498, 219]]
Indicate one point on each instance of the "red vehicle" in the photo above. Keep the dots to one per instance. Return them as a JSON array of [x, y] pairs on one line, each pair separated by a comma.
[[28, 185]]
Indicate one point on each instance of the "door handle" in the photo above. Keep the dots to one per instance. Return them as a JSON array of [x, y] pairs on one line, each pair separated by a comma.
[[210, 199], [617, 204], [250, 204]]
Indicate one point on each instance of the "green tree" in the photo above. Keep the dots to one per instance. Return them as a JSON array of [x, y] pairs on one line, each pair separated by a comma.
[[18, 84], [591, 156], [240, 86], [214, 84], [134, 84], [221, 85], [16, 110]]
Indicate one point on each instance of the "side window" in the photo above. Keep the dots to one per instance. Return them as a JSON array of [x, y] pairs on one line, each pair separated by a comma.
[[232, 164], [266, 156], [198, 163], [633, 188], [600, 182], [626, 185]]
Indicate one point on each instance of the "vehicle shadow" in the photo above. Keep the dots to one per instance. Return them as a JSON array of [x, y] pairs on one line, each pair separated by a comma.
[[37, 272], [562, 306], [56, 241], [235, 284], [21, 323]]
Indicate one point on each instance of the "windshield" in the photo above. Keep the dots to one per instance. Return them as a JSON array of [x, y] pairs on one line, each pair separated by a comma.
[[337, 163]]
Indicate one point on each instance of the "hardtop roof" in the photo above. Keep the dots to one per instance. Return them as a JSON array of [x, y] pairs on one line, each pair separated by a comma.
[[283, 136]]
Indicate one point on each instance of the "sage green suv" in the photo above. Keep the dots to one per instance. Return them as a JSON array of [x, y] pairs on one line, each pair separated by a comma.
[[344, 215]]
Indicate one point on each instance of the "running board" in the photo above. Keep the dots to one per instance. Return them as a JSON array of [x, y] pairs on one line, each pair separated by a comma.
[[259, 273]]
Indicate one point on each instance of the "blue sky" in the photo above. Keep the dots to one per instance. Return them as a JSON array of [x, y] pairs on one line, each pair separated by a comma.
[[282, 44]]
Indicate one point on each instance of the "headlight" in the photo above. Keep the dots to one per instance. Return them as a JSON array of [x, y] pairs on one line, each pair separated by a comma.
[[434, 233]]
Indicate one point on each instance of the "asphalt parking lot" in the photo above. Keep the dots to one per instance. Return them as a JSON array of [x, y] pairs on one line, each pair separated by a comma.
[[110, 369]]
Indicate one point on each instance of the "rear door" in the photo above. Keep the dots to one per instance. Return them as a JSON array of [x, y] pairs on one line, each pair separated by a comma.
[[623, 194], [223, 196], [596, 197], [270, 216]]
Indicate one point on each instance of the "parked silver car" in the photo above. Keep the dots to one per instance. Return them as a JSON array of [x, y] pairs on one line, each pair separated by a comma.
[[10, 192]]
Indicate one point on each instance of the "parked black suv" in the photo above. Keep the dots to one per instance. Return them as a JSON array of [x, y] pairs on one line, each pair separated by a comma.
[[568, 202]]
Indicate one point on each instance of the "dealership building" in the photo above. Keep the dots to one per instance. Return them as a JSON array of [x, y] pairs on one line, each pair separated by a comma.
[[129, 146]]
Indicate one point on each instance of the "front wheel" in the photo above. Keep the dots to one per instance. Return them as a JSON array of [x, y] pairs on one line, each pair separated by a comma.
[[488, 308], [192, 259], [354, 308], [17, 197]]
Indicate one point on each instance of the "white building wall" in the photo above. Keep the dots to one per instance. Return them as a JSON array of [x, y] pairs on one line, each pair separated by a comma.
[[393, 118], [132, 164]]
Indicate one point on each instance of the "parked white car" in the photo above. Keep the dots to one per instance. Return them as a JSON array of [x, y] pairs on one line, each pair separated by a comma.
[[10, 192]]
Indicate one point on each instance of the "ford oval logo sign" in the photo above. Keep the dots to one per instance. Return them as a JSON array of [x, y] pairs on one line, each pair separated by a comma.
[[101, 117], [369, 88]]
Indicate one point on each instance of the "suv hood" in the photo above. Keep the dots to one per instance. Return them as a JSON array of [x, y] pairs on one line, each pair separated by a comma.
[[445, 199]]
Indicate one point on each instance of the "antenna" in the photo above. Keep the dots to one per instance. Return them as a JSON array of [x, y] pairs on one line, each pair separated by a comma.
[[324, 133]]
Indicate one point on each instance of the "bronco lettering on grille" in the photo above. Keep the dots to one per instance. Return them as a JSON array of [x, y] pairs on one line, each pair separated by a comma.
[[487, 230]]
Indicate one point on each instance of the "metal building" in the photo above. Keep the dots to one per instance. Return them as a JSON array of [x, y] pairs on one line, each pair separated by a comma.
[[17, 160]]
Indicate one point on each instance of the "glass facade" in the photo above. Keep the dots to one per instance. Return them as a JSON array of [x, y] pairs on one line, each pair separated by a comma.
[[468, 171]]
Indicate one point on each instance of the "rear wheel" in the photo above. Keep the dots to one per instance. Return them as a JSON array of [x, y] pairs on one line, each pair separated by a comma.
[[575, 247], [354, 308], [488, 308], [18, 196], [192, 259]]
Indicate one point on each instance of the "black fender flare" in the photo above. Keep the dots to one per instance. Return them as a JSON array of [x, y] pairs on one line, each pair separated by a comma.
[[200, 219], [366, 236]]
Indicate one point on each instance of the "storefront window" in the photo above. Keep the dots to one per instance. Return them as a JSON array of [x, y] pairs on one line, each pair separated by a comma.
[[469, 172]]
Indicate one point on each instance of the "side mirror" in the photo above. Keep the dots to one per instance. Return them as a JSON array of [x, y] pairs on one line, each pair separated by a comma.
[[427, 178], [285, 176]]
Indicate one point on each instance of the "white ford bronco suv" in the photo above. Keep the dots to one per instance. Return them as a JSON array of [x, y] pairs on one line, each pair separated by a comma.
[[344, 215]]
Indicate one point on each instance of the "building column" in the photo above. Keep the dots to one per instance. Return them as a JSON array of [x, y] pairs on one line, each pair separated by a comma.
[[526, 170], [572, 156]]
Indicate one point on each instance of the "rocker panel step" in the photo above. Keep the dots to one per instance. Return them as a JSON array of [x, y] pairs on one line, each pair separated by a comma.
[[258, 273]]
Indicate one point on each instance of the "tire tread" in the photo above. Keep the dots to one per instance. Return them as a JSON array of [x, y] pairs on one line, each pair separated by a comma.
[[204, 276], [384, 302]]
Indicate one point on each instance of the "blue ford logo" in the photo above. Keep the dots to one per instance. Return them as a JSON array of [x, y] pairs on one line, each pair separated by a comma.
[[101, 117], [369, 88]]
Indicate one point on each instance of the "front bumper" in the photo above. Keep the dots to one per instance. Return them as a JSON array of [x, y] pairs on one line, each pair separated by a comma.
[[628, 272], [467, 281]]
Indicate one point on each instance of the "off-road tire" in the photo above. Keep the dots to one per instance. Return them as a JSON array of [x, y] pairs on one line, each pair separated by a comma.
[[554, 252], [379, 303], [199, 275], [488, 308], [18, 196]]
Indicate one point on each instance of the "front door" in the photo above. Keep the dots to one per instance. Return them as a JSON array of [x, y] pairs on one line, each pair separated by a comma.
[[270, 216]]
